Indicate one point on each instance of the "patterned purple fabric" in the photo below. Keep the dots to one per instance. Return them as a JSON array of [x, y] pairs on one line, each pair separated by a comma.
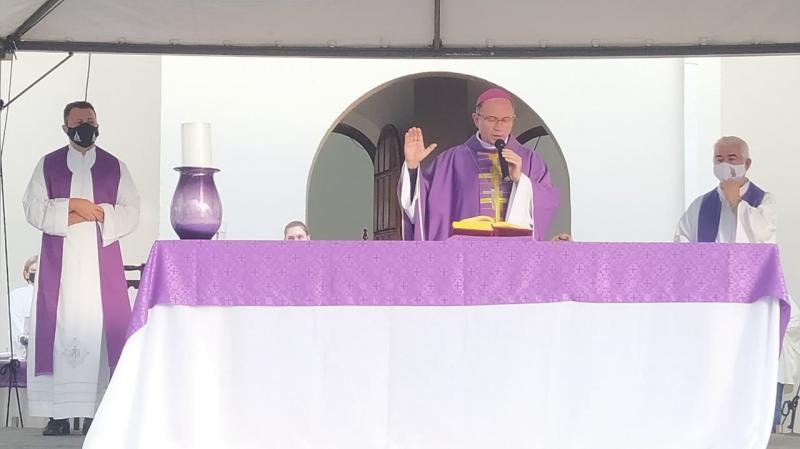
[[461, 271]]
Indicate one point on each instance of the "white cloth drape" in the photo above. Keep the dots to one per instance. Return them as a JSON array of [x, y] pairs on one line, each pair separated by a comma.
[[560, 375]]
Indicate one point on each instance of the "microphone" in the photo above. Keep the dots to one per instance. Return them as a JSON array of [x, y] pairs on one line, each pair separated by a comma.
[[500, 144]]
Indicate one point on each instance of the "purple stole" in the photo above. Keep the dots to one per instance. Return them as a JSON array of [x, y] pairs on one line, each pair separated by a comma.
[[113, 287], [450, 191], [711, 207]]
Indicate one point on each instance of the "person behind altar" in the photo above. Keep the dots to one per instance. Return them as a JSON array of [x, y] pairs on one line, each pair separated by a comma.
[[296, 230], [20, 309], [739, 211], [736, 210], [466, 181], [83, 200]]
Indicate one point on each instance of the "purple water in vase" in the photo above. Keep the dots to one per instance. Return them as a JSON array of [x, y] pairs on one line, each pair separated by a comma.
[[196, 211]]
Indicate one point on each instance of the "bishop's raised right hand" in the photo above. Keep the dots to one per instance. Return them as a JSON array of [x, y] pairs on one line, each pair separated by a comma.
[[415, 149]]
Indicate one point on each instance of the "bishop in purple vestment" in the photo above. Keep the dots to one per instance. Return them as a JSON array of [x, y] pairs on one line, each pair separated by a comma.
[[465, 181]]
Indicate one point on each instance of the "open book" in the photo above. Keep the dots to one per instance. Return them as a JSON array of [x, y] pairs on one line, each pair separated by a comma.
[[484, 226]]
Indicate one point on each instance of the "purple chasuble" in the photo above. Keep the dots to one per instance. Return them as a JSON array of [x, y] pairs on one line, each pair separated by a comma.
[[450, 190], [711, 208], [113, 287]]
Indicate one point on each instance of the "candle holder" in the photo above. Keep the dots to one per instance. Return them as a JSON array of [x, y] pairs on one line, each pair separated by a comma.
[[196, 210]]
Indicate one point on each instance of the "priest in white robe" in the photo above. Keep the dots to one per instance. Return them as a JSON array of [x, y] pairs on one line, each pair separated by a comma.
[[83, 200], [738, 211], [20, 308]]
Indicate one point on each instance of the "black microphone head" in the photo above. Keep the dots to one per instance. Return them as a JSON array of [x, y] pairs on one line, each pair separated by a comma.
[[499, 144]]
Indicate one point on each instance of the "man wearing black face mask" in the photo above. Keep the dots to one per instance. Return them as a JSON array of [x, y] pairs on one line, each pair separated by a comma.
[[83, 200]]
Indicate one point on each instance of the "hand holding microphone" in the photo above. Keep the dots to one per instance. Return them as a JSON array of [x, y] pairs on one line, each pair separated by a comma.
[[510, 161]]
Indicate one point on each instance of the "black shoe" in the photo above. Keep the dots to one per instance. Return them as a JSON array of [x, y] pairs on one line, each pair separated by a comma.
[[87, 422], [56, 427]]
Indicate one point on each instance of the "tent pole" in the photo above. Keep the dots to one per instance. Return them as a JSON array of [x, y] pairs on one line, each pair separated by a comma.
[[4, 105]]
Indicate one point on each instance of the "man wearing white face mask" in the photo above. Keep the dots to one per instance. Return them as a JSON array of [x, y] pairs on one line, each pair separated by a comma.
[[737, 211]]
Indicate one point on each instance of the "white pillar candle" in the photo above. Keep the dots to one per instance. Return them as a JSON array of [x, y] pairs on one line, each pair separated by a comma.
[[196, 144]]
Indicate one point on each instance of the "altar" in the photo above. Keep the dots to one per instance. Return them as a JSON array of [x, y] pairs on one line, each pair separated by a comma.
[[465, 343]]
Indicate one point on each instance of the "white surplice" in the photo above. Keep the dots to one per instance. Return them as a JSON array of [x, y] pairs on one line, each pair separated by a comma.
[[20, 305], [747, 224]]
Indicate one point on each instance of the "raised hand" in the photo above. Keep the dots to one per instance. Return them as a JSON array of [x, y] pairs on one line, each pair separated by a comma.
[[414, 148]]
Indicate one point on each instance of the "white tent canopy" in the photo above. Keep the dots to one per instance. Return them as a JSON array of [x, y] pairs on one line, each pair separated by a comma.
[[408, 28]]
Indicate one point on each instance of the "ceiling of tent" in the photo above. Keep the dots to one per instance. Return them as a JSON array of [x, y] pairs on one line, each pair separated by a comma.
[[404, 28]]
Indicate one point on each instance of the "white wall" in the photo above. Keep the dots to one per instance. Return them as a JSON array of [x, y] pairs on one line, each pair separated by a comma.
[[761, 104], [125, 91], [702, 123], [618, 122]]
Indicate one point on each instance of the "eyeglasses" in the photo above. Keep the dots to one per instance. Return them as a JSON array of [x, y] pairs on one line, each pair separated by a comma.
[[493, 120]]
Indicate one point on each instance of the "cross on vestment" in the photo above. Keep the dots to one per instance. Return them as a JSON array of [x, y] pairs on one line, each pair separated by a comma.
[[496, 178]]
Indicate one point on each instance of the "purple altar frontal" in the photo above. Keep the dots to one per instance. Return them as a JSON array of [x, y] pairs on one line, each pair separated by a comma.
[[462, 271]]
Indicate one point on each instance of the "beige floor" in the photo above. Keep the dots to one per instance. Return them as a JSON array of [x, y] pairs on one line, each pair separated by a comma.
[[32, 439]]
